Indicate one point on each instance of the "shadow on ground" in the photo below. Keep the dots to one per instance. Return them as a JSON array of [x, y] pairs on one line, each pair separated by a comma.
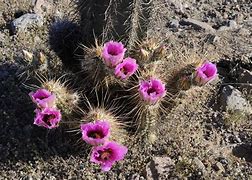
[[20, 140], [65, 41], [243, 151]]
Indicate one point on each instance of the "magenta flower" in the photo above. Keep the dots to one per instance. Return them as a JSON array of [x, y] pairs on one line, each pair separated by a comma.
[[151, 91], [43, 98], [48, 118], [95, 133], [205, 73], [125, 69], [108, 154], [113, 53]]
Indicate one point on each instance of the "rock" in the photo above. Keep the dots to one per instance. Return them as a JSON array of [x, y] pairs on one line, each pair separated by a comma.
[[248, 21], [218, 167], [136, 176], [224, 28], [2, 38], [231, 100], [43, 7], [237, 139], [199, 164], [159, 167], [232, 24], [213, 39], [240, 18], [177, 4], [243, 32], [224, 161], [198, 25], [245, 78], [38, 7], [26, 21], [225, 15], [33, 2], [174, 24]]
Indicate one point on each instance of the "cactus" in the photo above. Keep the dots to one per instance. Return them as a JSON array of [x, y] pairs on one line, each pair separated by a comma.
[[147, 98], [183, 74], [148, 51], [114, 19], [67, 100], [105, 64], [118, 133], [102, 69]]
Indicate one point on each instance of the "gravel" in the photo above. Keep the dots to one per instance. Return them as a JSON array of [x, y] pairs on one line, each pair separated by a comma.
[[192, 135]]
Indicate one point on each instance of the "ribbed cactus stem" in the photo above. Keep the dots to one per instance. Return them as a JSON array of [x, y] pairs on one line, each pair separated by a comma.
[[125, 20], [148, 123]]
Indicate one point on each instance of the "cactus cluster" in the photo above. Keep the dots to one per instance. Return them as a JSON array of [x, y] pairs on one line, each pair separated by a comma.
[[130, 72]]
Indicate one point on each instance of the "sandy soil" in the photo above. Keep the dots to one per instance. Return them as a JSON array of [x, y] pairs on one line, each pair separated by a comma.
[[193, 132]]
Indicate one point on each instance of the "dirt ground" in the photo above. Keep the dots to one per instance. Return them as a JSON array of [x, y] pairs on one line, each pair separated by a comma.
[[202, 140]]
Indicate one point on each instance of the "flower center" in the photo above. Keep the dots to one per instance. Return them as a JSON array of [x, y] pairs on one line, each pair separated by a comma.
[[208, 72], [95, 134], [105, 155], [42, 97], [112, 51], [47, 118], [150, 91], [124, 70]]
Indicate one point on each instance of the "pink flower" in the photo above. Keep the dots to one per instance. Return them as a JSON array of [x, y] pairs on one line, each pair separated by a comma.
[[205, 73], [48, 118], [125, 69], [113, 53], [43, 98], [95, 133], [108, 154], [151, 91]]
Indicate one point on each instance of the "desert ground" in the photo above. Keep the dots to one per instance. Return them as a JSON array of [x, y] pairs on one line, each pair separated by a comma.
[[206, 134]]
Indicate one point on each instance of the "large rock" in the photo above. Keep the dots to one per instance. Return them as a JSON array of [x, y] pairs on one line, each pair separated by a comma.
[[159, 168], [231, 99], [198, 25], [25, 21]]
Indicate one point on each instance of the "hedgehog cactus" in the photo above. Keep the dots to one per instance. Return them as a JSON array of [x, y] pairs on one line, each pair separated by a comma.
[[104, 118], [115, 67], [54, 93], [148, 94], [151, 93], [191, 71], [66, 99], [106, 65], [148, 50], [113, 19]]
